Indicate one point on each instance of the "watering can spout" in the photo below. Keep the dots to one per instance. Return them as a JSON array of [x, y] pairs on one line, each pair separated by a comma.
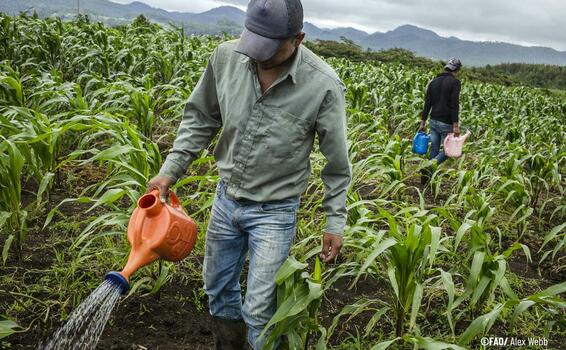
[[156, 230], [118, 280]]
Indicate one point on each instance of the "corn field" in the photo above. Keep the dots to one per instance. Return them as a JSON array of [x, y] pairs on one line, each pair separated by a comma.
[[88, 113]]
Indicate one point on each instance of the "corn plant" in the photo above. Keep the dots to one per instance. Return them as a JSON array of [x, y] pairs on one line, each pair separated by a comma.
[[557, 234], [77, 95], [12, 216], [407, 263], [298, 300], [548, 298], [8, 327]]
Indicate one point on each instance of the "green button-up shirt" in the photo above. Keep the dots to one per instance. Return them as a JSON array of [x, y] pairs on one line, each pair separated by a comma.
[[263, 150]]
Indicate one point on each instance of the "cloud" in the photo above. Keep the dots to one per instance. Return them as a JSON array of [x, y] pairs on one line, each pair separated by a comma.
[[527, 22], [183, 5]]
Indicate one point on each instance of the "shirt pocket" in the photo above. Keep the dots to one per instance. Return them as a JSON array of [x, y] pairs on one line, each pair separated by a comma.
[[285, 133]]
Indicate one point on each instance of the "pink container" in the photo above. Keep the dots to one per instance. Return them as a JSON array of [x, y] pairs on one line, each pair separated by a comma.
[[453, 145]]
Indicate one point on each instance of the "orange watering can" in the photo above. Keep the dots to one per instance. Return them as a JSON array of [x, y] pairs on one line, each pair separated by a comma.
[[156, 231]]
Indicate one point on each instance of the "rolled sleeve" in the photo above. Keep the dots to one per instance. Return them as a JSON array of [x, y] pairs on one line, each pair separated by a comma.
[[331, 128], [200, 123]]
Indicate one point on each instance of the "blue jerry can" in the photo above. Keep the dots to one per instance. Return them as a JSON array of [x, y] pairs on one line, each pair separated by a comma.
[[420, 142]]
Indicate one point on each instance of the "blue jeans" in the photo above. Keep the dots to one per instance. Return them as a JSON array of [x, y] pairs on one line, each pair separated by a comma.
[[438, 132], [265, 230]]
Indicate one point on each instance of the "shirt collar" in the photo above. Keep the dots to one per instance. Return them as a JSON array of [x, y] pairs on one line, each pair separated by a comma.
[[295, 64], [293, 67]]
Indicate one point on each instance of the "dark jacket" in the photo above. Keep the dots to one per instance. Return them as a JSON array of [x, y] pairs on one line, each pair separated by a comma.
[[443, 97]]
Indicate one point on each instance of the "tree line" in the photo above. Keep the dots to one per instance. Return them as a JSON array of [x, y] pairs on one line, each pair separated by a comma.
[[542, 76]]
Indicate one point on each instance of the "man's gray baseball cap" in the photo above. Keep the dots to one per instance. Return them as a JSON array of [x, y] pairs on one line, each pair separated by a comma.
[[453, 64], [268, 24]]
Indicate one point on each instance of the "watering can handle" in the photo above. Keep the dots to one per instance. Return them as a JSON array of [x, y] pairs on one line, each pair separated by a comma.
[[173, 199], [175, 202]]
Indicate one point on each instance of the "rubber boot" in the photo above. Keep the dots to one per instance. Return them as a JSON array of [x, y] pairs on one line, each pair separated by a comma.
[[229, 334]]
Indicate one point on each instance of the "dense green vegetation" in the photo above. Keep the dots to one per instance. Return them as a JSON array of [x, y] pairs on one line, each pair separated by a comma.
[[350, 50], [511, 74], [537, 75], [87, 113]]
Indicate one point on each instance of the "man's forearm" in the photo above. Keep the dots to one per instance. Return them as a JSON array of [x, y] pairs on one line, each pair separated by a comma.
[[172, 169], [334, 202], [195, 133], [337, 174], [201, 121], [426, 111]]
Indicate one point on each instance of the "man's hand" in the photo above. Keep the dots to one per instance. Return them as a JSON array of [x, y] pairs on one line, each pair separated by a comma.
[[422, 127], [161, 183], [456, 130], [331, 245]]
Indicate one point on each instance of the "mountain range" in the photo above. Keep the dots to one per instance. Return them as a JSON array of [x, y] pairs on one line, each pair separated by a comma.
[[230, 20]]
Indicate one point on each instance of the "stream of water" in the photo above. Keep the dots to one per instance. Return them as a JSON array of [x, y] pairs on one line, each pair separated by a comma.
[[86, 323]]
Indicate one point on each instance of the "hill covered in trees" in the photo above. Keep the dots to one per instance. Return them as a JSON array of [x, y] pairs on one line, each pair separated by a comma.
[[228, 19], [510, 74]]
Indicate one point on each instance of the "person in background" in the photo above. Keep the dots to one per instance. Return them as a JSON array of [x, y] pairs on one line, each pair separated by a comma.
[[271, 97], [442, 102]]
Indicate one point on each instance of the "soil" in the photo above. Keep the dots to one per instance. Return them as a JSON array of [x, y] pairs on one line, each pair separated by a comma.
[[340, 295], [177, 316], [168, 320]]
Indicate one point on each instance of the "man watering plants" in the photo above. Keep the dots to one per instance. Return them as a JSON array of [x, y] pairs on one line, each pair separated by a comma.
[[270, 96], [442, 101]]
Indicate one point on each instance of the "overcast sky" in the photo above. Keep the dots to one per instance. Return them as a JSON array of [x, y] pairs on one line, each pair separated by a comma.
[[525, 22]]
